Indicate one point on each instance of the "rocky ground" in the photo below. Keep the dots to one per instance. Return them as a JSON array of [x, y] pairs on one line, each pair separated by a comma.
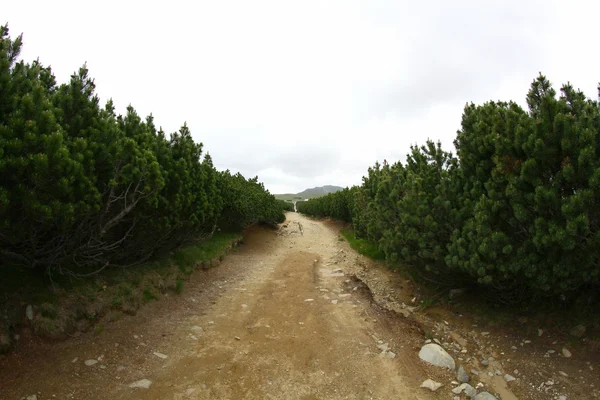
[[297, 314]]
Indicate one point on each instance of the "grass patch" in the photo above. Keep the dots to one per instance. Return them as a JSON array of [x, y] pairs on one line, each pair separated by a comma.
[[179, 286], [108, 294], [212, 248], [148, 295], [363, 246]]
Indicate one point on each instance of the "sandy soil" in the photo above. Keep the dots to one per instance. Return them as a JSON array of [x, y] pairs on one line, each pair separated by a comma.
[[296, 314], [271, 322]]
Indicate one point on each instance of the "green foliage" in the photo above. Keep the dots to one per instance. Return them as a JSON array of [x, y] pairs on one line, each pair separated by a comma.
[[532, 181], [285, 205], [362, 246], [246, 202], [83, 189], [335, 205], [516, 212]]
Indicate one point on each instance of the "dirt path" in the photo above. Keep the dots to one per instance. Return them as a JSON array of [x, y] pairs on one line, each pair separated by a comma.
[[276, 320]]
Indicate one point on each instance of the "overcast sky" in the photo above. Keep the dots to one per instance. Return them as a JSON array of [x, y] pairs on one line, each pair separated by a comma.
[[307, 93]]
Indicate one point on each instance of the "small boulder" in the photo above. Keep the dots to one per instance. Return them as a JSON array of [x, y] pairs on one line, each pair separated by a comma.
[[196, 329], [461, 375], [578, 331], [566, 353], [485, 396], [469, 390], [434, 354], [509, 378], [431, 385], [89, 363], [141, 384], [29, 312]]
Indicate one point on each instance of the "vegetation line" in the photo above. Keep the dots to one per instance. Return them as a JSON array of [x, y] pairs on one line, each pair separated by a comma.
[[514, 212]]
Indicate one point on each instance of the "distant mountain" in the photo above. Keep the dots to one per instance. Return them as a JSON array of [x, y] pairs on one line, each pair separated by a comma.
[[310, 193], [319, 191]]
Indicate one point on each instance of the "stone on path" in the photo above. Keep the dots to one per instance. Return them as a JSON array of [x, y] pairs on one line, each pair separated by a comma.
[[462, 375], [566, 353], [29, 312], [89, 363], [578, 331], [431, 385], [160, 355], [469, 390], [141, 384], [485, 396], [196, 329], [32, 397], [434, 354], [509, 378]]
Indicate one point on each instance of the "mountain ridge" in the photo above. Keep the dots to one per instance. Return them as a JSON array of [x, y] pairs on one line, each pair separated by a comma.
[[309, 193]]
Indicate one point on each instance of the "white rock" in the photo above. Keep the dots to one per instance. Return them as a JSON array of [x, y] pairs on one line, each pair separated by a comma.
[[32, 397], [141, 384], [509, 378], [383, 347], [436, 355], [389, 354], [484, 396], [431, 385], [563, 373], [566, 353], [89, 363], [196, 329], [469, 390], [334, 301], [160, 355], [29, 312], [458, 389], [309, 300]]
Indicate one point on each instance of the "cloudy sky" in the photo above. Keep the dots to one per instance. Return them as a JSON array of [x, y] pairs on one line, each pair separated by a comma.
[[312, 92]]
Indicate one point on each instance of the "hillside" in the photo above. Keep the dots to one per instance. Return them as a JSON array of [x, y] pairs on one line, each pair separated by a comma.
[[310, 193]]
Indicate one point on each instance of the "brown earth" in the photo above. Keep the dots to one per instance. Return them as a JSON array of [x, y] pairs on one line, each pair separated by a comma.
[[294, 314]]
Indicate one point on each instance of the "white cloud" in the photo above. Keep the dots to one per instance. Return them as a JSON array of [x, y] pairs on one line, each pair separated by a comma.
[[313, 92]]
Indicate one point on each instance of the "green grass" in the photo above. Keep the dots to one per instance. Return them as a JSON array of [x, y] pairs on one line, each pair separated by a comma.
[[114, 290], [212, 248], [148, 295], [363, 246]]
